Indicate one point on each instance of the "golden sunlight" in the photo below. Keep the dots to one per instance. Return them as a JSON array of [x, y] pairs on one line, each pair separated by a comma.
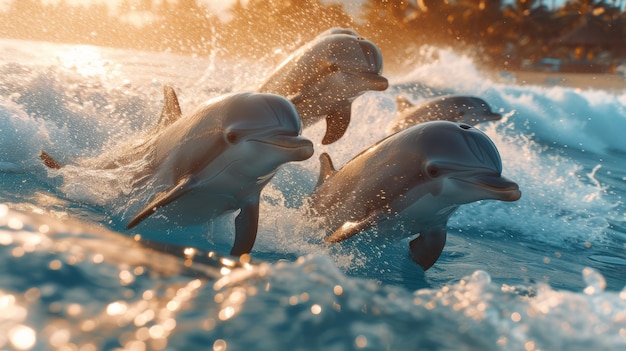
[[220, 7], [83, 59]]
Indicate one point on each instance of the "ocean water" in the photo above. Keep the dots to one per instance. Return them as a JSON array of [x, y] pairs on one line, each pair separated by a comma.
[[547, 272]]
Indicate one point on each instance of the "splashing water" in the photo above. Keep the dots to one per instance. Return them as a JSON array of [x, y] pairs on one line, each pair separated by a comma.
[[509, 277]]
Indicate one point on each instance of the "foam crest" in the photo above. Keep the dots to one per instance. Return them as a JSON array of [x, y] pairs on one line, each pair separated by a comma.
[[557, 206], [443, 69], [584, 119], [17, 128]]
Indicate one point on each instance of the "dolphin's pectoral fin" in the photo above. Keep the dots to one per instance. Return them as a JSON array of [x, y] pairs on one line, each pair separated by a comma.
[[296, 98], [349, 229], [171, 108], [427, 247], [326, 168], [49, 161], [181, 188], [246, 227], [337, 123]]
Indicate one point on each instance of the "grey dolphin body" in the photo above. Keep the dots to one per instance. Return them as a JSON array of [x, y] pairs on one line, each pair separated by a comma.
[[417, 177], [219, 158], [323, 77], [465, 109], [214, 160]]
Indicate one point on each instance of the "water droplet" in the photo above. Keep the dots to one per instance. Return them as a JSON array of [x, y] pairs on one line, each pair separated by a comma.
[[481, 277], [22, 337], [316, 309], [60, 338], [516, 317], [4, 210], [219, 345], [15, 224], [361, 341], [116, 308], [156, 331], [594, 280], [55, 265]]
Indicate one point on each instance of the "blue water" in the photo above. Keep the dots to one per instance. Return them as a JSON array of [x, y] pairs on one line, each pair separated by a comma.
[[544, 273]]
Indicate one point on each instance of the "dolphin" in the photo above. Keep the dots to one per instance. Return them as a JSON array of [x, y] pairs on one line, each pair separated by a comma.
[[417, 178], [324, 76], [465, 109], [214, 160]]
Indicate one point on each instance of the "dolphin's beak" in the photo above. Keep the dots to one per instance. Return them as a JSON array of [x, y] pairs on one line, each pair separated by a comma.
[[374, 81], [300, 147], [379, 83], [496, 185]]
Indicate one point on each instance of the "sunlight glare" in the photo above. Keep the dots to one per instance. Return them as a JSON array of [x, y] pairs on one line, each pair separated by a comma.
[[83, 59], [221, 8]]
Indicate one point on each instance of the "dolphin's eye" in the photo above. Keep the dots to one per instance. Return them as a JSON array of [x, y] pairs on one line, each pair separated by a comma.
[[433, 171], [232, 137]]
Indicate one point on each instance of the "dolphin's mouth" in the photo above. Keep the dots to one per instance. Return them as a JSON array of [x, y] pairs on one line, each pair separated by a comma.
[[500, 187]]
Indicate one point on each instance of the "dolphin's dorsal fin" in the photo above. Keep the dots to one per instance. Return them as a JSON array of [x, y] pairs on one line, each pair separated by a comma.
[[349, 229], [296, 98], [246, 227], [427, 247], [403, 104], [326, 169], [162, 199], [337, 123], [49, 161], [171, 108]]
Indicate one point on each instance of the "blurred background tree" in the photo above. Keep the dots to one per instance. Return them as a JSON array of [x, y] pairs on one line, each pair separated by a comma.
[[501, 33]]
